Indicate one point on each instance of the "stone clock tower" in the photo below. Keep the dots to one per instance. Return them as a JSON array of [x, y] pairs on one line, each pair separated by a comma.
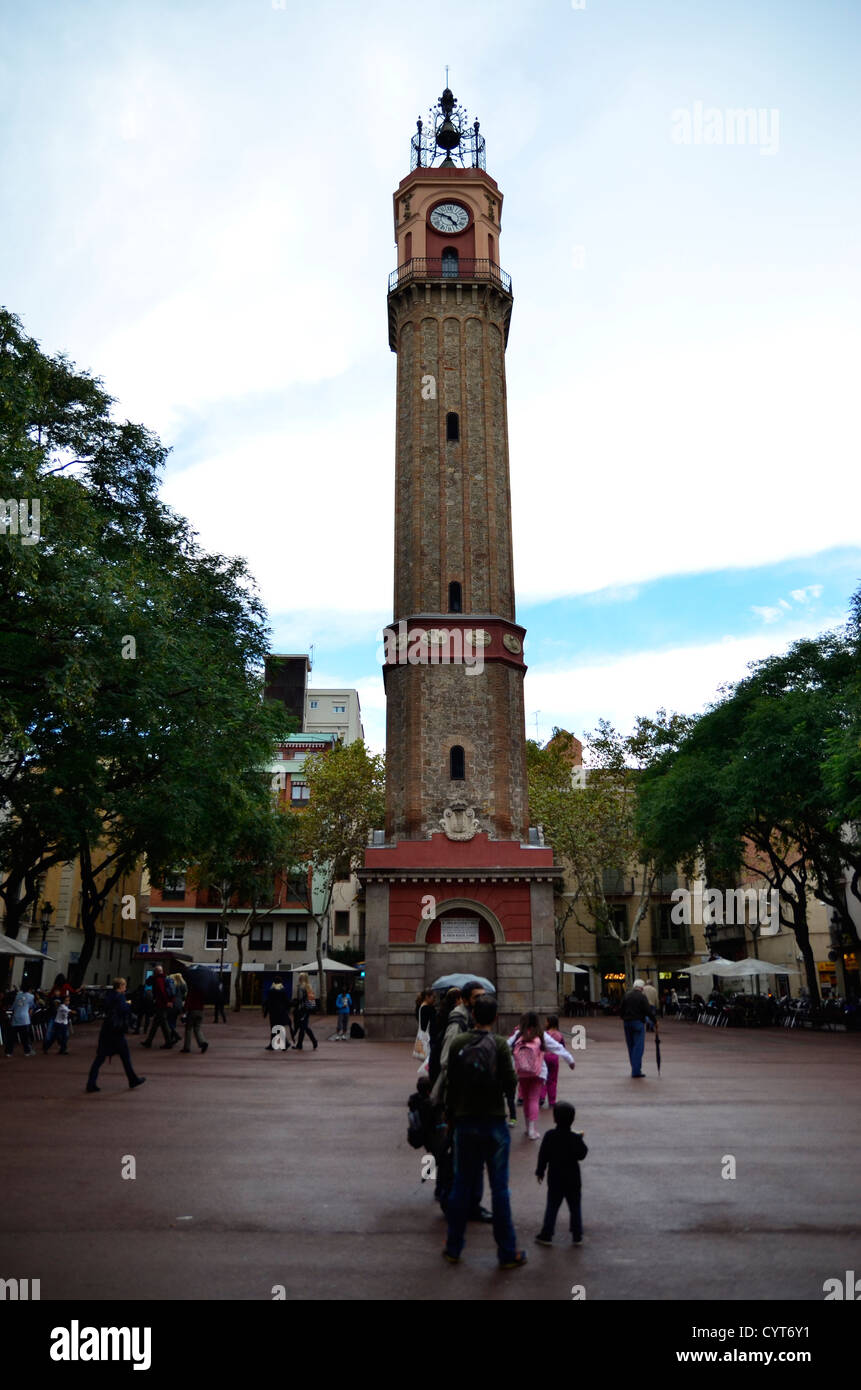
[[458, 882]]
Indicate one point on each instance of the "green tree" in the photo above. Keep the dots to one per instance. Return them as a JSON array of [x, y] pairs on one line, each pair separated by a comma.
[[591, 821], [245, 866], [746, 786], [346, 786], [131, 661]]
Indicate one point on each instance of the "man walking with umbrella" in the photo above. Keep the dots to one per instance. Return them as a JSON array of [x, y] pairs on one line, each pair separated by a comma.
[[635, 1010]]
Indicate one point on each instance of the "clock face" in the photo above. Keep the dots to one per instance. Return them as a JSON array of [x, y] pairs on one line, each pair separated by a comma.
[[449, 217]]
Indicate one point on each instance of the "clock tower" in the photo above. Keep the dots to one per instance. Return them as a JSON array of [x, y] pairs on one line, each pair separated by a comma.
[[457, 882]]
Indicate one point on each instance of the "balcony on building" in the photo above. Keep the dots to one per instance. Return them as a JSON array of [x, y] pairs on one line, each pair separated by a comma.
[[447, 269]]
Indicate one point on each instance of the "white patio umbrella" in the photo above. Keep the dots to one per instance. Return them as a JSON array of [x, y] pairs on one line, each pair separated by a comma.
[[10, 947], [708, 968], [737, 969], [750, 967], [328, 964]]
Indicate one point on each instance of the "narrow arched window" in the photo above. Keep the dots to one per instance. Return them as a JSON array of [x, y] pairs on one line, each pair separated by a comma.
[[452, 427], [491, 249], [408, 247], [449, 263], [455, 597], [456, 761]]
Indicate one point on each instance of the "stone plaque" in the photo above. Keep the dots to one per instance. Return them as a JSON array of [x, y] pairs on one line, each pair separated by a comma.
[[463, 930]]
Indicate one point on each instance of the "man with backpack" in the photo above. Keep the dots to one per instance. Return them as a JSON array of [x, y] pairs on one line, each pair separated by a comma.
[[457, 1021], [162, 1001], [480, 1078]]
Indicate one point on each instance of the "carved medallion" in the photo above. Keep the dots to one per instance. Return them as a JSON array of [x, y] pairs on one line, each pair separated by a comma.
[[512, 643], [459, 821]]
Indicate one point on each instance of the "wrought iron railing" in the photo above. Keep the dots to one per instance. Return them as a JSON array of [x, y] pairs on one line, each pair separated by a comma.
[[441, 268], [678, 945]]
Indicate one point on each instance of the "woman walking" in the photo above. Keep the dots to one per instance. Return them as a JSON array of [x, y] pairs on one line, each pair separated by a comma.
[[305, 1005], [529, 1046]]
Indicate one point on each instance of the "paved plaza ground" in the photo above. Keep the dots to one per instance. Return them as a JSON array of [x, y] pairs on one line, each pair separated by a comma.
[[256, 1169]]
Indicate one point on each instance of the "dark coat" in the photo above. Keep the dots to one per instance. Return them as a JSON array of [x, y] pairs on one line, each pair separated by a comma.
[[277, 1006], [636, 1007], [112, 1037]]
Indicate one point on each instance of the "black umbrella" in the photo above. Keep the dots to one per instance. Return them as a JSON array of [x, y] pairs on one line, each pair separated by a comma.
[[658, 1049], [201, 978]]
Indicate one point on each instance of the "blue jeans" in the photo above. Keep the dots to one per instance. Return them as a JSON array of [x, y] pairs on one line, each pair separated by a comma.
[[635, 1037], [476, 1143]]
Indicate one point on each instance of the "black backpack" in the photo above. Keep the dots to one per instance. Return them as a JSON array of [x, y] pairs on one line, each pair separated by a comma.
[[473, 1066]]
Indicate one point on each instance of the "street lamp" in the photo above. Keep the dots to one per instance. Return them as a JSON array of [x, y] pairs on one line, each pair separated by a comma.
[[46, 915]]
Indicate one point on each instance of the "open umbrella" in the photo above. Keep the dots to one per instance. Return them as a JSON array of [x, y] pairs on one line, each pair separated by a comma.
[[10, 947], [203, 979], [458, 982]]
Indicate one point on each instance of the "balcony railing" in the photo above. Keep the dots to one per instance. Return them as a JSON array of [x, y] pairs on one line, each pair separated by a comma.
[[454, 272], [679, 945]]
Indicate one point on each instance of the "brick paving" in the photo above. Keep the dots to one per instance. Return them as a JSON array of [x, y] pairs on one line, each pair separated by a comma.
[[256, 1169]]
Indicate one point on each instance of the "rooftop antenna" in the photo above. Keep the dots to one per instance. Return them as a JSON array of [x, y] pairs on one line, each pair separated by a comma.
[[446, 74], [311, 654]]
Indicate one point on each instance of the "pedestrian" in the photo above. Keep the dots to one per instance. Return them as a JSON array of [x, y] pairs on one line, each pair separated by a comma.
[[305, 1005], [161, 1006], [276, 1007], [450, 1001], [428, 1128], [634, 1012], [21, 1030], [343, 1008], [530, 1046], [177, 990], [194, 1007], [480, 1080], [112, 1038], [551, 1062], [425, 1019], [219, 1003], [457, 1021], [559, 1156], [652, 995], [60, 1032]]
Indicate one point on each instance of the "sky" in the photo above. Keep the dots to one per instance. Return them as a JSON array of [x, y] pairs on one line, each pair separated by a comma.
[[197, 208]]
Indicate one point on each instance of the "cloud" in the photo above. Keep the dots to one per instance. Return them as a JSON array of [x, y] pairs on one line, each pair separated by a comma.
[[801, 596], [684, 679]]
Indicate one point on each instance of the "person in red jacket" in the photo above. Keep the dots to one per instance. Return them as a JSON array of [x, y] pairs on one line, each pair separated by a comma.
[[194, 1006], [161, 1001]]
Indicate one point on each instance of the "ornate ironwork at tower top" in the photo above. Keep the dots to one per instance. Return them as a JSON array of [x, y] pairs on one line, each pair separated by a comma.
[[448, 139]]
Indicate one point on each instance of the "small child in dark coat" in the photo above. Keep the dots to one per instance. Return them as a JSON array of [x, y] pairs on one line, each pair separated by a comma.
[[560, 1153], [435, 1137]]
